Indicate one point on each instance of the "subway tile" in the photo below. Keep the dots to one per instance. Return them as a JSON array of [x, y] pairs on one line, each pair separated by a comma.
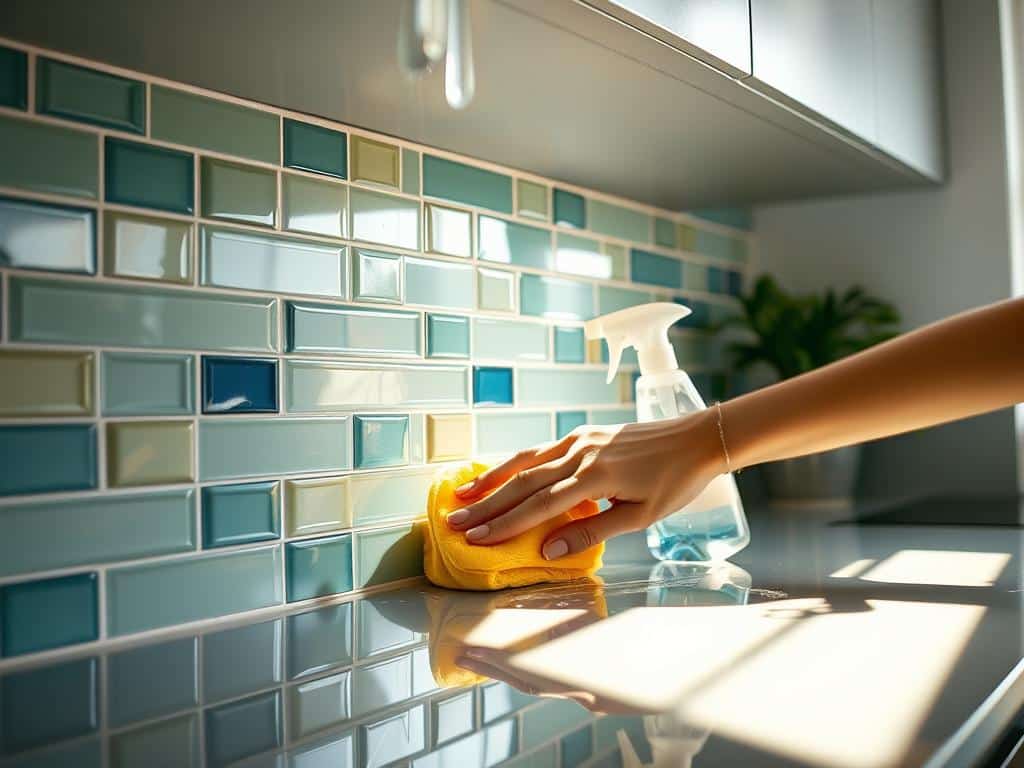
[[618, 221], [379, 685], [438, 283], [90, 96], [496, 290], [171, 674], [328, 387], [508, 242], [239, 385], [567, 421], [503, 433], [385, 219], [569, 345], [31, 715], [379, 498], [695, 276], [147, 385], [492, 386], [198, 121], [237, 661], [612, 416], [417, 438], [410, 171], [390, 554], [50, 613], [147, 248], [485, 748], [242, 728], [353, 330], [45, 383], [555, 298], [314, 206], [238, 448], [720, 246], [653, 268], [48, 158], [612, 299], [544, 386], [581, 256], [380, 441], [47, 237], [532, 199], [98, 529], [150, 452], [394, 737], [495, 339], [319, 704], [336, 750], [317, 506], [461, 183], [422, 675], [449, 231], [551, 718], [240, 514], [617, 254], [379, 634], [447, 336], [665, 233], [716, 280], [547, 757], [569, 208], [162, 594], [238, 192], [13, 78], [169, 742], [319, 639], [449, 436], [374, 161], [739, 218], [733, 282], [315, 148], [576, 748], [686, 237], [27, 455], [376, 276], [452, 717], [318, 567], [148, 176]]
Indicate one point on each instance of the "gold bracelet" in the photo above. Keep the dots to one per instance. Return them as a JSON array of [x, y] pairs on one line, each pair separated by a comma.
[[721, 436]]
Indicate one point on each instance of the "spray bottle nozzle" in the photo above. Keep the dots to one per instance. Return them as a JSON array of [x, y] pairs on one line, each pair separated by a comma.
[[644, 327]]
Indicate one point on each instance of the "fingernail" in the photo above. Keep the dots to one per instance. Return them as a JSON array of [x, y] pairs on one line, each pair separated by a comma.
[[555, 549], [465, 488], [459, 516], [480, 532]]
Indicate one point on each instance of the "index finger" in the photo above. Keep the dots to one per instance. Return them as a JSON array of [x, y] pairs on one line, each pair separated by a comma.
[[499, 474]]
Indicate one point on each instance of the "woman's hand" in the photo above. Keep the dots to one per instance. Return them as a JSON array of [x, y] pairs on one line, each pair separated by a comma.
[[647, 470]]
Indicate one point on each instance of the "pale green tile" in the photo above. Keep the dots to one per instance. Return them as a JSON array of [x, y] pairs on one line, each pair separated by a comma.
[[168, 742], [617, 221], [695, 276], [447, 336], [449, 231], [392, 497], [453, 717], [617, 254], [329, 387], [562, 387], [48, 158], [147, 248], [438, 283], [385, 219], [665, 233], [239, 192], [150, 452], [410, 172], [353, 330], [495, 339], [147, 385], [612, 416], [555, 298], [319, 207], [34, 383], [319, 505], [230, 448], [376, 276], [720, 246], [318, 704], [388, 555], [532, 199], [504, 433], [612, 299], [90, 96], [395, 736], [374, 161], [496, 290], [579, 255], [48, 237], [380, 685], [508, 242]]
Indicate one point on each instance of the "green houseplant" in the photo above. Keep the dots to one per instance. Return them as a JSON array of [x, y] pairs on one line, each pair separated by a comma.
[[790, 335]]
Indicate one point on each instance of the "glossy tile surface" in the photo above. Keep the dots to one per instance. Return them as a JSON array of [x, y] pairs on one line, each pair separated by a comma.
[[242, 659], [618, 255], [374, 161], [50, 613], [318, 567], [13, 78], [178, 591], [389, 555], [198, 121], [453, 717], [449, 231], [45, 383], [495, 339], [531, 199], [379, 685], [90, 96], [318, 505], [315, 148], [147, 248], [720, 246], [394, 737], [569, 209], [96, 530], [449, 436], [26, 454], [237, 448], [175, 740], [410, 171], [492, 386], [242, 728], [240, 514], [380, 633], [238, 192], [147, 384], [380, 441], [352, 330], [447, 336], [665, 233], [376, 276], [504, 433], [172, 680], [653, 268], [618, 221], [382, 498], [569, 345], [385, 219], [612, 299], [487, 747], [33, 717], [438, 283], [547, 387], [239, 385], [577, 255], [319, 639], [314, 386], [567, 421], [318, 704], [508, 242], [555, 298], [496, 290], [48, 237], [48, 158], [543, 722], [150, 452], [147, 176], [460, 183], [314, 206]]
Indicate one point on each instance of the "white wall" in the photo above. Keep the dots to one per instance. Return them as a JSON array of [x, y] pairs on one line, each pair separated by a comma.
[[932, 252]]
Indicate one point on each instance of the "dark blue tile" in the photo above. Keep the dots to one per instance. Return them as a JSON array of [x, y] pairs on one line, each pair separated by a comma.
[[40, 459], [734, 282], [241, 660], [13, 78], [700, 313], [319, 640], [570, 209], [243, 728], [239, 385], [655, 269], [51, 613], [381, 441], [148, 176], [567, 421], [492, 386], [569, 345], [240, 514], [716, 280], [318, 567], [47, 705], [152, 680], [315, 148]]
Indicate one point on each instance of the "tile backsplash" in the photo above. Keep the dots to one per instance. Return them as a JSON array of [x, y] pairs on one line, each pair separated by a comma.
[[238, 342]]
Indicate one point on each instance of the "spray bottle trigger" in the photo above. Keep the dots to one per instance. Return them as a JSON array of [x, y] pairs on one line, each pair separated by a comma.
[[614, 357]]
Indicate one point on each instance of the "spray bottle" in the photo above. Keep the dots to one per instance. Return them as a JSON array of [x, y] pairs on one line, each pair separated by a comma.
[[712, 526]]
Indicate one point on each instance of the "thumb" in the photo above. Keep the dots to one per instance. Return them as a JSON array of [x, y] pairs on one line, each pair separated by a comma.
[[580, 535]]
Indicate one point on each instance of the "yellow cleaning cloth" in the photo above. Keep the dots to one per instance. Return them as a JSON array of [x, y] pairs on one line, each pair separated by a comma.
[[451, 561]]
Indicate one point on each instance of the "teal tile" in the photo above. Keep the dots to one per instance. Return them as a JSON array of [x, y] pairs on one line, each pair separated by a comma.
[[318, 704], [380, 685], [394, 737], [198, 121], [329, 387], [376, 276], [508, 242], [173, 592], [241, 514], [147, 385], [13, 78], [336, 750], [171, 674], [562, 387], [466, 184], [447, 336], [389, 555], [553, 717], [148, 176], [665, 233], [453, 717], [27, 457], [581, 256], [495, 339], [352, 330], [315, 148], [238, 192], [318, 567], [237, 661], [90, 96], [740, 218], [438, 283], [48, 158], [555, 298], [55, 312], [32, 715], [410, 171], [721, 246], [255, 262], [95, 529], [315, 206], [570, 209], [612, 416], [383, 626], [242, 728], [51, 613], [504, 433], [612, 299], [653, 268], [381, 441], [174, 741], [319, 640], [567, 421], [147, 248], [385, 219], [238, 448], [500, 699], [449, 231], [547, 757], [576, 748], [384, 497], [486, 747], [617, 221], [496, 290], [50, 237], [570, 346]]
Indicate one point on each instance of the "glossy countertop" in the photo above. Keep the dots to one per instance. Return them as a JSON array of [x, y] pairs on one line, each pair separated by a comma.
[[824, 643]]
